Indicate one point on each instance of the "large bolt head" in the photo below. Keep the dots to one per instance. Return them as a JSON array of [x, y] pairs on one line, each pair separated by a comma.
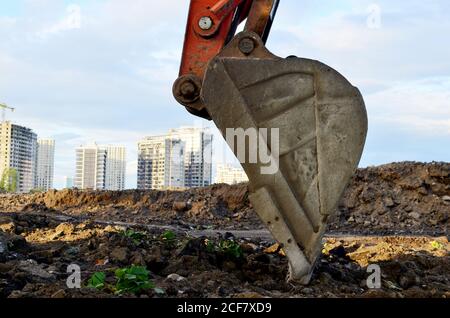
[[246, 45], [205, 23], [188, 89]]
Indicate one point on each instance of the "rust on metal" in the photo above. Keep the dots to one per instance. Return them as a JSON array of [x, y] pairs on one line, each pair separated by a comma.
[[259, 16]]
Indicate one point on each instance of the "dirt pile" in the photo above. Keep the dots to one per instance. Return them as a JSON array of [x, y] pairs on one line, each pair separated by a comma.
[[395, 198], [217, 205], [37, 251], [405, 197]]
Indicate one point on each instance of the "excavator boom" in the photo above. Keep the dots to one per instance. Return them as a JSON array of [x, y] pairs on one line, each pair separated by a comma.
[[297, 126], [211, 25]]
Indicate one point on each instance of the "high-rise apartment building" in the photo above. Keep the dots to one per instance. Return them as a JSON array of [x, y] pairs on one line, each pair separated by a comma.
[[18, 151], [115, 167], [90, 167], [198, 155], [45, 164], [100, 167], [230, 175], [160, 163]]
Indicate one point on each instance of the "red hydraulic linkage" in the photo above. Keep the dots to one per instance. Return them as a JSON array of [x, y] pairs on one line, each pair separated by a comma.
[[211, 25]]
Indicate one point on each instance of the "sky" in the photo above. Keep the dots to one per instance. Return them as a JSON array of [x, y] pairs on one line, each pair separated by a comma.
[[102, 70]]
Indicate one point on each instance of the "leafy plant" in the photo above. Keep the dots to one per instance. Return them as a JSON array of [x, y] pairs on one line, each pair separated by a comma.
[[231, 248], [168, 236], [210, 246], [228, 247], [437, 245], [133, 279], [136, 236], [8, 182], [97, 280]]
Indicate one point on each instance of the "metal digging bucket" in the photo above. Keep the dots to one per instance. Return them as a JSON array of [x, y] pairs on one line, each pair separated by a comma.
[[298, 128]]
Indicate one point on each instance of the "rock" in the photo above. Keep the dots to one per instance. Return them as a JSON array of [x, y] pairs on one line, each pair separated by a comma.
[[73, 250], [275, 248], [59, 294], [211, 284], [338, 251], [446, 198], [408, 208], [414, 215], [110, 229], [32, 268], [119, 254], [325, 278], [221, 291], [388, 202], [7, 224], [307, 291], [16, 242], [175, 277], [65, 228], [248, 247], [408, 280], [3, 244], [180, 206], [92, 244], [18, 294], [137, 259], [351, 219], [5, 267], [10, 242], [423, 191]]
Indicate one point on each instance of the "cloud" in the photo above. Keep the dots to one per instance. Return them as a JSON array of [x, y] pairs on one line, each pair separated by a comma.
[[72, 21], [419, 106], [103, 70]]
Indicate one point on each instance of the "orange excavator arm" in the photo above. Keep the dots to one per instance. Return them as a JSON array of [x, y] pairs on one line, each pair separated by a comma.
[[211, 25]]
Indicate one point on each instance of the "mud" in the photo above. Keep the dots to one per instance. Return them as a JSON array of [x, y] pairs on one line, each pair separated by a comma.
[[390, 199], [42, 234], [38, 252]]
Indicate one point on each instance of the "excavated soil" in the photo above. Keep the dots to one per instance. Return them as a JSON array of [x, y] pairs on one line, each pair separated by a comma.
[[404, 207], [34, 263], [389, 199]]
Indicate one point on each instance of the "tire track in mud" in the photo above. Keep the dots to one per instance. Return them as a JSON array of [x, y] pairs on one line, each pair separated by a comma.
[[189, 229]]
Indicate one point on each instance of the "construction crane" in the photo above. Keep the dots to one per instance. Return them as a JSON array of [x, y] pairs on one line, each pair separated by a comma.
[[4, 107]]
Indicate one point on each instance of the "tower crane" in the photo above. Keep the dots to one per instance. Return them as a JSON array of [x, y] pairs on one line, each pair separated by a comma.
[[4, 107]]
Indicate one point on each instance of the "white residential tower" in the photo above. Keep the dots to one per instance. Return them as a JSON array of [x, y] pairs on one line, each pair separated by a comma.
[[45, 164]]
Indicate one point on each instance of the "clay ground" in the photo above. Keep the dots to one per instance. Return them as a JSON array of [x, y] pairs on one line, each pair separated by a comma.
[[395, 216]]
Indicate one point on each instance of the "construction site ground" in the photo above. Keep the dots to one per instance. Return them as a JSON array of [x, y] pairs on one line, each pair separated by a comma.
[[208, 242]]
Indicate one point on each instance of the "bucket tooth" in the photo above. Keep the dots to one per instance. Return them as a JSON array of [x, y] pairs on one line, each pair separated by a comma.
[[321, 124]]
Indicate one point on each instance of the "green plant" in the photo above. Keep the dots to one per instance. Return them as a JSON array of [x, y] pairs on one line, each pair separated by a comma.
[[168, 236], [231, 248], [37, 190], [210, 246], [228, 247], [133, 279], [97, 280], [136, 236], [437, 245], [8, 182]]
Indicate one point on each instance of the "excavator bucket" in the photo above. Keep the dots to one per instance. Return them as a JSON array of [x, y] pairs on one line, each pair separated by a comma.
[[302, 128]]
